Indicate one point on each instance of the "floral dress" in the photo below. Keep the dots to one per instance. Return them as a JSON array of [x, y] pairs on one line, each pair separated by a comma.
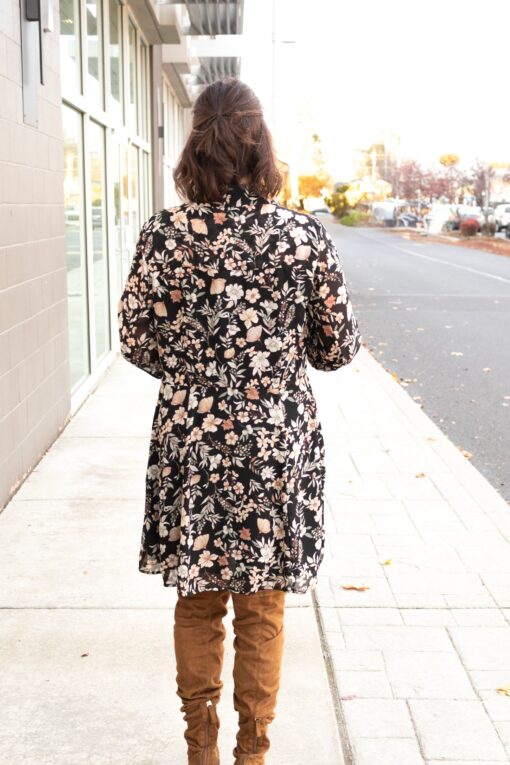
[[225, 303]]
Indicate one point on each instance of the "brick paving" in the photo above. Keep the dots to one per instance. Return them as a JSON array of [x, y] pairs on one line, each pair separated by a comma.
[[419, 654]]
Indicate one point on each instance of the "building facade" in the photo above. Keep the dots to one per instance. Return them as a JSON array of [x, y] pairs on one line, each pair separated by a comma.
[[95, 100]]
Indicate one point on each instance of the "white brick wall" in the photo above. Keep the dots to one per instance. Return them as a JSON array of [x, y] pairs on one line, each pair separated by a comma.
[[34, 375]]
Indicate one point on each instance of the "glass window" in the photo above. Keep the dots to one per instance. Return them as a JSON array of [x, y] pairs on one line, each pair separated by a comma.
[[95, 77], [145, 190], [133, 83], [75, 246], [116, 245], [70, 71], [99, 247], [127, 236], [115, 56], [135, 198], [144, 83]]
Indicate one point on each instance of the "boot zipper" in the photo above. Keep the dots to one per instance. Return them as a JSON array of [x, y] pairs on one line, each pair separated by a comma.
[[255, 738], [211, 717], [206, 750]]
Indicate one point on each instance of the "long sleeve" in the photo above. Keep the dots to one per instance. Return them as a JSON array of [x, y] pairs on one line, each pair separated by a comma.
[[333, 337], [136, 321]]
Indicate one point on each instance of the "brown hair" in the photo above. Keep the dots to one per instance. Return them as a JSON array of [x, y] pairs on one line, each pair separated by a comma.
[[229, 141]]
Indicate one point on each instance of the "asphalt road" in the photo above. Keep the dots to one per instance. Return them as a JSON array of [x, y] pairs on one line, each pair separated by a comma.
[[439, 317]]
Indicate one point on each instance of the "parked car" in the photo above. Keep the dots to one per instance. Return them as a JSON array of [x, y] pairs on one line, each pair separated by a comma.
[[502, 216], [384, 212], [409, 220], [462, 212]]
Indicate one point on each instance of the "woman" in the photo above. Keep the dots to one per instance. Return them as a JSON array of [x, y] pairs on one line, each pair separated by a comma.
[[228, 295]]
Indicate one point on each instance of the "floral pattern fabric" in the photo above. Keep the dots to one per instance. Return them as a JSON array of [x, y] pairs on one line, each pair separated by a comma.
[[225, 303]]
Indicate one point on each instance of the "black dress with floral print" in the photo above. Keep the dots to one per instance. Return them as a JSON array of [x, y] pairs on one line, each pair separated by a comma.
[[225, 303]]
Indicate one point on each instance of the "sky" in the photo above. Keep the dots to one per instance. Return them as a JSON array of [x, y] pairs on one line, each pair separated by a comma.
[[435, 73]]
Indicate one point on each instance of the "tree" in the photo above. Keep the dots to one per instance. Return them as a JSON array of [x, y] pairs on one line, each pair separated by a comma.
[[411, 178], [315, 179], [338, 202], [434, 185], [311, 185], [480, 176]]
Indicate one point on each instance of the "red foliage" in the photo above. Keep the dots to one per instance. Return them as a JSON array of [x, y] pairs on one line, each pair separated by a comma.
[[469, 227]]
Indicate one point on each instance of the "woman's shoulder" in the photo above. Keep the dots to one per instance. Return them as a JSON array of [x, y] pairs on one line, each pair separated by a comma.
[[293, 218], [166, 217]]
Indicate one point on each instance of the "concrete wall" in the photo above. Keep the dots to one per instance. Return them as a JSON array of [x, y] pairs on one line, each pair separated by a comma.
[[34, 376]]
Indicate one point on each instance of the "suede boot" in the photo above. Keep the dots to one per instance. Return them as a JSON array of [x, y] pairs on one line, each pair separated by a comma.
[[259, 638], [199, 636]]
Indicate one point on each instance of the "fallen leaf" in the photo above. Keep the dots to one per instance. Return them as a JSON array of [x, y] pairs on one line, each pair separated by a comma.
[[359, 587], [504, 690], [420, 475], [465, 452], [83, 654], [386, 562]]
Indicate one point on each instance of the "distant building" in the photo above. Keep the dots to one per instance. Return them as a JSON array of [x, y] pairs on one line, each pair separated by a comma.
[[500, 184]]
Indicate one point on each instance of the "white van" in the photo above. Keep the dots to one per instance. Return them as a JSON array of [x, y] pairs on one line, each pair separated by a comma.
[[439, 217], [502, 216]]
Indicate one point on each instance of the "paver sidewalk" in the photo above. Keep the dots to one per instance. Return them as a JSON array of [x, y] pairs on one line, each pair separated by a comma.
[[87, 672], [418, 656]]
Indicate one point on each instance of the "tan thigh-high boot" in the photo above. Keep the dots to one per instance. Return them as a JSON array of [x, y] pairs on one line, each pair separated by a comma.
[[259, 638], [198, 641]]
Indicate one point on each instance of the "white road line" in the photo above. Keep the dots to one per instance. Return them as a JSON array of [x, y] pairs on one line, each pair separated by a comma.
[[453, 265], [436, 295]]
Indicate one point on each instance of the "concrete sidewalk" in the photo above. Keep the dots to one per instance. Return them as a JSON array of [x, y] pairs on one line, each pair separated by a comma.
[[87, 672], [419, 654], [417, 657]]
